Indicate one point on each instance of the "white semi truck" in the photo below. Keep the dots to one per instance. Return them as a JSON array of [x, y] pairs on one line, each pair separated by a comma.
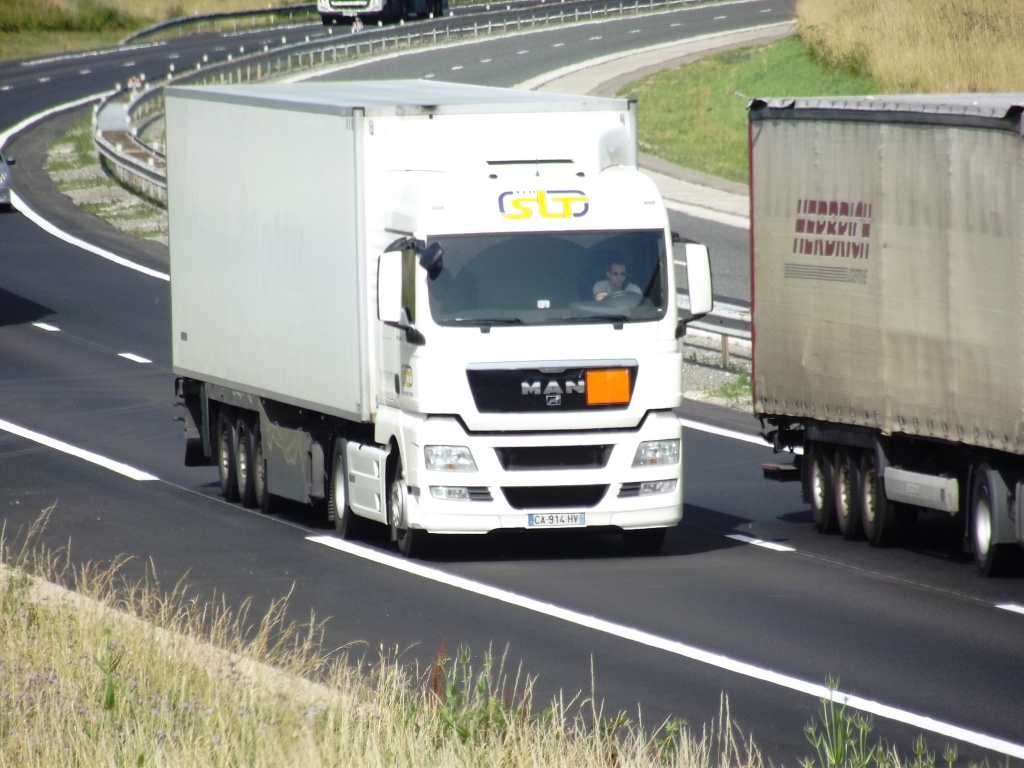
[[382, 297], [335, 11], [887, 270]]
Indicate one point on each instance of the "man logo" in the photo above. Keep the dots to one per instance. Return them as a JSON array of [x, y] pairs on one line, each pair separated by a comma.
[[553, 391]]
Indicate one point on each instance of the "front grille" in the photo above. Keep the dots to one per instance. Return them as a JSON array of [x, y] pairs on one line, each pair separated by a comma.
[[554, 497], [554, 457]]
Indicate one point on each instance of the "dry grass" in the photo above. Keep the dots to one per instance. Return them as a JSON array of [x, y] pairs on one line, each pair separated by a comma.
[[926, 46], [113, 672]]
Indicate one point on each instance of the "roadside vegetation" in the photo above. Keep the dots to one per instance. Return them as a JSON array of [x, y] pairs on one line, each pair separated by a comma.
[[101, 669], [129, 673], [695, 115], [31, 28]]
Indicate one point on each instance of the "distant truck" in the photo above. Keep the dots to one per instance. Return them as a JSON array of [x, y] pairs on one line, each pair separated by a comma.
[[887, 270], [335, 11], [382, 298]]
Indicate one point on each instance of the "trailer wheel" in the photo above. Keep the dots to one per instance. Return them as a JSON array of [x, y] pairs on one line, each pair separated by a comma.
[[820, 489], [411, 543], [992, 559], [262, 496], [348, 525], [226, 442], [878, 514], [848, 494], [645, 541], [244, 464]]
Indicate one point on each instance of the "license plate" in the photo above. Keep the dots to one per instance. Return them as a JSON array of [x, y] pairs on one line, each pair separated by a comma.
[[562, 520]]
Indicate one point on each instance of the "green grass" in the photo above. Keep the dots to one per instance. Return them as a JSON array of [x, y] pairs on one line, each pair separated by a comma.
[[738, 390], [695, 115]]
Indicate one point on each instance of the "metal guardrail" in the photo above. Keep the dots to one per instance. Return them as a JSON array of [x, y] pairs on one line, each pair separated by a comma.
[[216, 18], [144, 104]]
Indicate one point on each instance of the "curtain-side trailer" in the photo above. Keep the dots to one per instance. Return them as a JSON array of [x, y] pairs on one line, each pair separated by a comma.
[[887, 269]]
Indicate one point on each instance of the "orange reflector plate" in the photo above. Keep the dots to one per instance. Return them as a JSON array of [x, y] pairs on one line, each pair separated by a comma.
[[608, 387]]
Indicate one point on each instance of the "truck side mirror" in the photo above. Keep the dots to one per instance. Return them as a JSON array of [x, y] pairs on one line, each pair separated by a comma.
[[698, 280], [389, 288]]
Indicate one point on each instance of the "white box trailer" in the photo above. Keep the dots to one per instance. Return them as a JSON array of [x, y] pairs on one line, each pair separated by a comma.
[[887, 278], [383, 295]]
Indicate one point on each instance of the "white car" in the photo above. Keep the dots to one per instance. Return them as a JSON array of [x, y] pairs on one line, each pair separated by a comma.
[[5, 181]]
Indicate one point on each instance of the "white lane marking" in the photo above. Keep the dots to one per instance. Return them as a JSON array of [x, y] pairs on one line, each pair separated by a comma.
[[456, 67], [1011, 607], [46, 226], [557, 45], [709, 214], [486, 61], [44, 80], [754, 439], [759, 542], [94, 458], [46, 327], [39, 221], [85, 71], [674, 647], [133, 358], [91, 54]]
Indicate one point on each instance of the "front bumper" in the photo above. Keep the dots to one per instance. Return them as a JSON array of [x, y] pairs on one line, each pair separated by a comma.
[[560, 476]]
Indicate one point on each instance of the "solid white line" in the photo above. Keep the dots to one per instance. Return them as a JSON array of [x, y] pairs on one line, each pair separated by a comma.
[[133, 358], [679, 649], [759, 542], [710, 214], [39, 221], [46, 226], [1011, 607], [94, 458], [754, 439], [46, 327]]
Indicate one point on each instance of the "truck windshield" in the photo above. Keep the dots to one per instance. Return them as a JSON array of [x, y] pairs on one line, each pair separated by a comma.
[[549, 279]]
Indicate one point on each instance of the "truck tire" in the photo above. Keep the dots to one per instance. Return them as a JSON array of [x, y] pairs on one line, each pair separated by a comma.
[[261, 490], [244, 462], [645, 541], [820, 487], [226, 441], [348, 525], [848, 494], [992, 559], [878, 513], [411, 543]]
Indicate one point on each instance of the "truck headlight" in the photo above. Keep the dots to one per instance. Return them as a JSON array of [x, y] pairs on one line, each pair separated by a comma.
[[657, 486], [449, 458], [657, 453]]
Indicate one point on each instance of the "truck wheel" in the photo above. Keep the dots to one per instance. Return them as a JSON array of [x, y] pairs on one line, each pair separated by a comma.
[[411, 543], [348, 525], [992, 559], [821, 490], [226, 442], [877, 513], [261, 491], [244, 463], [848, 492], [646, 541]]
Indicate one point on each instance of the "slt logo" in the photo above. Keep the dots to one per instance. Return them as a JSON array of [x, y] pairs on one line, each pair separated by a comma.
[[549, 204]]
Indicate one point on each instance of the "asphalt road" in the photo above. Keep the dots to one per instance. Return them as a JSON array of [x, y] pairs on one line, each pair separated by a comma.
[[912, 628]]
